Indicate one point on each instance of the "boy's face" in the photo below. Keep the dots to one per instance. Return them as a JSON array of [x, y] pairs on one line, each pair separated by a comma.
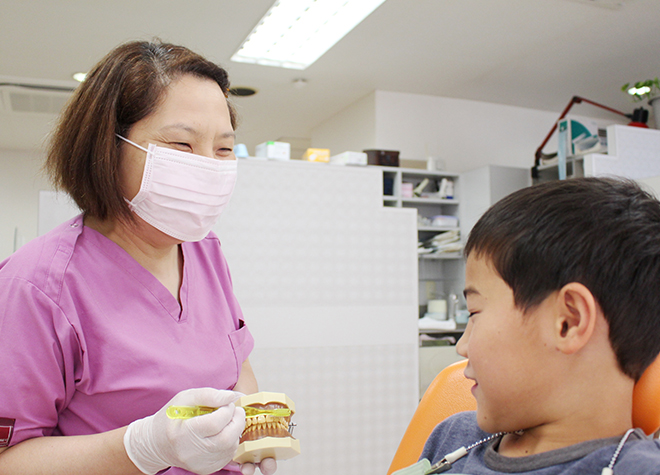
[[509, 358]]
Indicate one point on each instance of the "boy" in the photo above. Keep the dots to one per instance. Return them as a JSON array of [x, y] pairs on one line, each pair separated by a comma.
[[562, 288]]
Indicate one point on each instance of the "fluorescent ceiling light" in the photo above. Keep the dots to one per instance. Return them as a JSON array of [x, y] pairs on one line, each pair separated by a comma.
[[295, 33]]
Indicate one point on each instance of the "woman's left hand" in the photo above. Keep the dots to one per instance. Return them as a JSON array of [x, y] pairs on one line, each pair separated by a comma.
[[266, 466]]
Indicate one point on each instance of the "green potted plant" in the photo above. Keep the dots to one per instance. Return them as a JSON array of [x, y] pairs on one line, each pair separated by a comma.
[[649, 90]]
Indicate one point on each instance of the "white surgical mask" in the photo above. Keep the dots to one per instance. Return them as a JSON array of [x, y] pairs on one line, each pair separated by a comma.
[[182, 194]]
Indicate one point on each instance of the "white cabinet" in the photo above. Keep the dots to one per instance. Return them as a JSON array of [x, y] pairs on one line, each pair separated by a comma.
[[440, 274], [325, 276]]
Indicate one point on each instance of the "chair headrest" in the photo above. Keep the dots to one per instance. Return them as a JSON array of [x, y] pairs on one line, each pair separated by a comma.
[[646, 399]]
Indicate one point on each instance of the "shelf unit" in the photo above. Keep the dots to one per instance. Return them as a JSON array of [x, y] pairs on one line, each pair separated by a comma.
[[439, 274], [631, 153], [443, 274]]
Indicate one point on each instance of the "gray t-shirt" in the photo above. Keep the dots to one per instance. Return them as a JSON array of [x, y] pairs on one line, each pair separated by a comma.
[[639, 456]]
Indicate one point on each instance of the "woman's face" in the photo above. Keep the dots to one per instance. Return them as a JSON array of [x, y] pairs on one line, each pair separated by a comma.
[[193, 117]]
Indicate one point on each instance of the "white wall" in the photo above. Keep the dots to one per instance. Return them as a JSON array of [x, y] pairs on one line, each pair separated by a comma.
[[352, 129], [20, 182], [18, 129], [652, 185], [466, 134]]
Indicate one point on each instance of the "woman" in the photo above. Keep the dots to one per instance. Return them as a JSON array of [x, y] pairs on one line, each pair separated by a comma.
[[118, 313]]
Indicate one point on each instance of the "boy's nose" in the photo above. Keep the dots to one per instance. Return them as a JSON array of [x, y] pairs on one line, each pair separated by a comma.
[[462, 344]]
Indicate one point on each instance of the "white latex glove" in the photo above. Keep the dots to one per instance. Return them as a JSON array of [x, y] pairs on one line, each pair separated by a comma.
[[266, 466], [202, 444]]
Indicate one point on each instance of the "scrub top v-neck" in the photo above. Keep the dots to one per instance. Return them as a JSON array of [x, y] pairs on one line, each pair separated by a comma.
[[142, 276]]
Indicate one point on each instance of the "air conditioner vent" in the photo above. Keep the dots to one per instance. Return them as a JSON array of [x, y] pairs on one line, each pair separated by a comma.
[[25, 100], [611, 4]]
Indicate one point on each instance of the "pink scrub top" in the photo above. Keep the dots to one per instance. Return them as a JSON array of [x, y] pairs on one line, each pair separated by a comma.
[[91, 341]]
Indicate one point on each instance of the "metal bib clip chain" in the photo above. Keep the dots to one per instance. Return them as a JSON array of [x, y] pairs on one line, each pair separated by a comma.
[[424, 467]]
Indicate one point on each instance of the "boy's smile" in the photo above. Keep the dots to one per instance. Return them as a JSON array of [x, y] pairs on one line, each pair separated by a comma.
[[507, 351]]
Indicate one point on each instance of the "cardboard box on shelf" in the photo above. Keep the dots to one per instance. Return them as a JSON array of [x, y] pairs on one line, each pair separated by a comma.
[[317, 155], [274, 150], [387, 158], [349, 158]]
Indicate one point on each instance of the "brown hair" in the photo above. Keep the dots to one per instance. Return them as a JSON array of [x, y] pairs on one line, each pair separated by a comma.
[[123, 88]]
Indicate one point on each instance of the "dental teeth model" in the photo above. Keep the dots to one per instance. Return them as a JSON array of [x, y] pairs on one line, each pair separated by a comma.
[[267, 428]]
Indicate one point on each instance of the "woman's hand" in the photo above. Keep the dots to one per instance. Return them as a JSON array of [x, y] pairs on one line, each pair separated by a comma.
[[202, 444], [266, 466]]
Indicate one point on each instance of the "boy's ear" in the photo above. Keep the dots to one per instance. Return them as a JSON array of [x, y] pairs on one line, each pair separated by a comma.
[[576, 319]]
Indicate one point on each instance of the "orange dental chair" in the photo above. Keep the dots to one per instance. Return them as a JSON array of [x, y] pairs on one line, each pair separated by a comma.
[[449, 393]]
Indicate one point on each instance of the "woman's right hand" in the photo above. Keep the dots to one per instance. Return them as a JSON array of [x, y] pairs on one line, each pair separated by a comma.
[[202, 444]]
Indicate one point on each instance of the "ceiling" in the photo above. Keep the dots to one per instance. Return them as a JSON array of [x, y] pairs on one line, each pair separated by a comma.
[[534, 54]]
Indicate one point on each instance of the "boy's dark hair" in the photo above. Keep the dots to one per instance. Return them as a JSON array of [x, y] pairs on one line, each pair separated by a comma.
[[126, 86], [601, 232]]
